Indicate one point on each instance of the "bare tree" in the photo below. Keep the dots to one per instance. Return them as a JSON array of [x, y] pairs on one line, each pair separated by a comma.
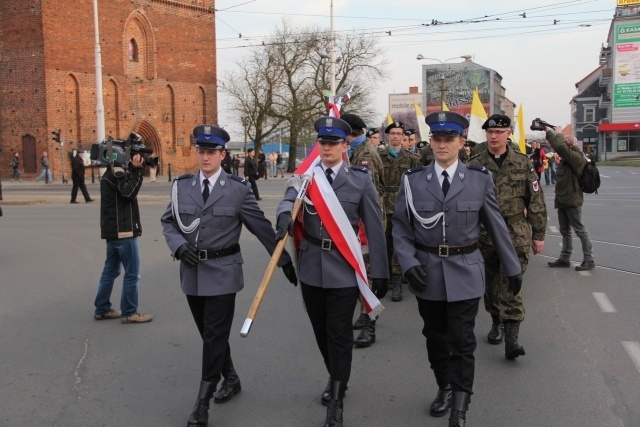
[[251, 87], [285, 80]]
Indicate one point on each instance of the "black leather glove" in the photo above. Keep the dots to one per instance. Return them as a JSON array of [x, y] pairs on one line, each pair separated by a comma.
[[283, 225], [289, 270], [515, 283], [417, 278], [187, 254], [379, 287]]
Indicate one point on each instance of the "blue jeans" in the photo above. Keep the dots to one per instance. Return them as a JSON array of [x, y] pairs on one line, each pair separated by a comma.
[[125, 252], [45, 173]]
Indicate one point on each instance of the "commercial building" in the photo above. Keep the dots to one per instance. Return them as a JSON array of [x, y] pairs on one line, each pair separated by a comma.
[[618, 103]]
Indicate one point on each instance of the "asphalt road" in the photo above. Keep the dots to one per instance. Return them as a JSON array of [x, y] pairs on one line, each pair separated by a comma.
[[61, 368]]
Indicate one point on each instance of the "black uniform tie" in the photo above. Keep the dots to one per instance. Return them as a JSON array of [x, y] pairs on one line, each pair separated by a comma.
[[205, 190], [328, 172], [445, 183]]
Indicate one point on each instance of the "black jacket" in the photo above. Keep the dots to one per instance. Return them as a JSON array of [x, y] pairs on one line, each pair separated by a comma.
[[250, 168], [119, 213], [77, 169]]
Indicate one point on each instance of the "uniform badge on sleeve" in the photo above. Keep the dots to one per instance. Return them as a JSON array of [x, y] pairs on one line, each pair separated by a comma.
[[535, 186]]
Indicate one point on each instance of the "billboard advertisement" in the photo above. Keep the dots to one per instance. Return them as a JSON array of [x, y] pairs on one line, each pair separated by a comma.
[[459, 86], [626, 87]]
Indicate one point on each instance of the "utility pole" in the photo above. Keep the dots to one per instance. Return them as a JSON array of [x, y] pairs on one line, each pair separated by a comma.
[[100, 132]]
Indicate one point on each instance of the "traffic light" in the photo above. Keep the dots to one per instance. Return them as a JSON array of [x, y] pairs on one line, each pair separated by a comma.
[[56, 134]]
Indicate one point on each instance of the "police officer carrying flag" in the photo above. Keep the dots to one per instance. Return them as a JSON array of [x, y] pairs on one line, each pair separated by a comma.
[[436, 225], [202, 226]]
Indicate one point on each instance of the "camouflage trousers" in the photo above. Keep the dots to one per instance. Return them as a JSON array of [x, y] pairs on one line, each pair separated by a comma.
[[498, 299], [394, 264]]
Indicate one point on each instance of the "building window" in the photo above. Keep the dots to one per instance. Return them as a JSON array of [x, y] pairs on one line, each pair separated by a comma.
[[133, 50], [589, 113]]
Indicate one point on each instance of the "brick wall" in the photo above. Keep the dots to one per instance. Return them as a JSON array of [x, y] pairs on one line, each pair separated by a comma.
[[49, 64]]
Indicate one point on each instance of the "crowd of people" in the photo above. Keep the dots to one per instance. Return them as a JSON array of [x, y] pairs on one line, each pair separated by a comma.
[[452, 221]]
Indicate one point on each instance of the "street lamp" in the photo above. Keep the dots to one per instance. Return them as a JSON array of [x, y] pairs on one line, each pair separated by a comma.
[[245, 122], [443, 87]]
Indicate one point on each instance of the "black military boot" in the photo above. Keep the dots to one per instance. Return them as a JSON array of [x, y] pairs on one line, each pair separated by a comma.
[[459, 406], [362, 320], [440, 406], [200, 414], [334, 410], [326, 394], [511, 347], [496, 334], [396, 285], [367, 335], [230, 385]]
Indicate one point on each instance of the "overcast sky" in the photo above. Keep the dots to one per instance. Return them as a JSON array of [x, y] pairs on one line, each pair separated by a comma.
[[540, 62]]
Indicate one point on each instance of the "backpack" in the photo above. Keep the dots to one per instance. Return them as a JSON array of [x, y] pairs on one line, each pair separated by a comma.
[[590, 179]]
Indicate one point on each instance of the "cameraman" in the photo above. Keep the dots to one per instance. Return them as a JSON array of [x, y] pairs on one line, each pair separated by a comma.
[[120, 227]]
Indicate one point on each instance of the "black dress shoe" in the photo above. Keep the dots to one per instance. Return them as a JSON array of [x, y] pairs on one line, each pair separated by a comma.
[[442, 403], [563, 263], [90, 200], [229, 388], [73, 202]]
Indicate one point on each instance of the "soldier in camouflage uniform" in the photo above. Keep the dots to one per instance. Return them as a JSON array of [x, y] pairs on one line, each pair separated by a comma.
[[523, 208], [395, 160], [361, 153], [481, 147], [413, 140]]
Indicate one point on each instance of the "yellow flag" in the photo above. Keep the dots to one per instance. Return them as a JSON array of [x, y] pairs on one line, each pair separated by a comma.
[[422, 126], [389, 119], [522, 142], [444, 106], [477, 118]]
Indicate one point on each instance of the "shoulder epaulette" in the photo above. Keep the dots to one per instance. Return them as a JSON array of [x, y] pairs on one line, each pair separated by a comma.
[[237, 178], [186, 175], [412, 170], [478, 168], [360, 169]]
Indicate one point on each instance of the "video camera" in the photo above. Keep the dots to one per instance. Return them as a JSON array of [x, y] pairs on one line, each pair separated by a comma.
[[119, 151], [538, 124]]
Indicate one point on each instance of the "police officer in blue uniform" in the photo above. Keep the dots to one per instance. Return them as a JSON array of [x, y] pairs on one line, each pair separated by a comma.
[[436, 225], [327, 280], [202, 226]]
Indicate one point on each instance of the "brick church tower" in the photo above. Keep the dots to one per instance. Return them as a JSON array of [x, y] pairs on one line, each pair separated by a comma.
[[158, 68]]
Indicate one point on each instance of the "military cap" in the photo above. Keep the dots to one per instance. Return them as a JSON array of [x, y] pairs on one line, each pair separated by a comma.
[[211, 137], [80, 151], [372, 132], [470, 143], [410, 132], [393, 125], [446, 123], [354, 121], [422, 144], [332, 129], [497, 121]]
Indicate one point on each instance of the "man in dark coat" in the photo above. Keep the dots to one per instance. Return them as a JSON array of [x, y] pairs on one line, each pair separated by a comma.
[[251, 171], [77, 176]]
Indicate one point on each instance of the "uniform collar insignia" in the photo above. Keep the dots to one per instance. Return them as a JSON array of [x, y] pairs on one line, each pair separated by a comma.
[[346, 170], [429, 176], [222, 182], [461, 175], [193, 183]]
